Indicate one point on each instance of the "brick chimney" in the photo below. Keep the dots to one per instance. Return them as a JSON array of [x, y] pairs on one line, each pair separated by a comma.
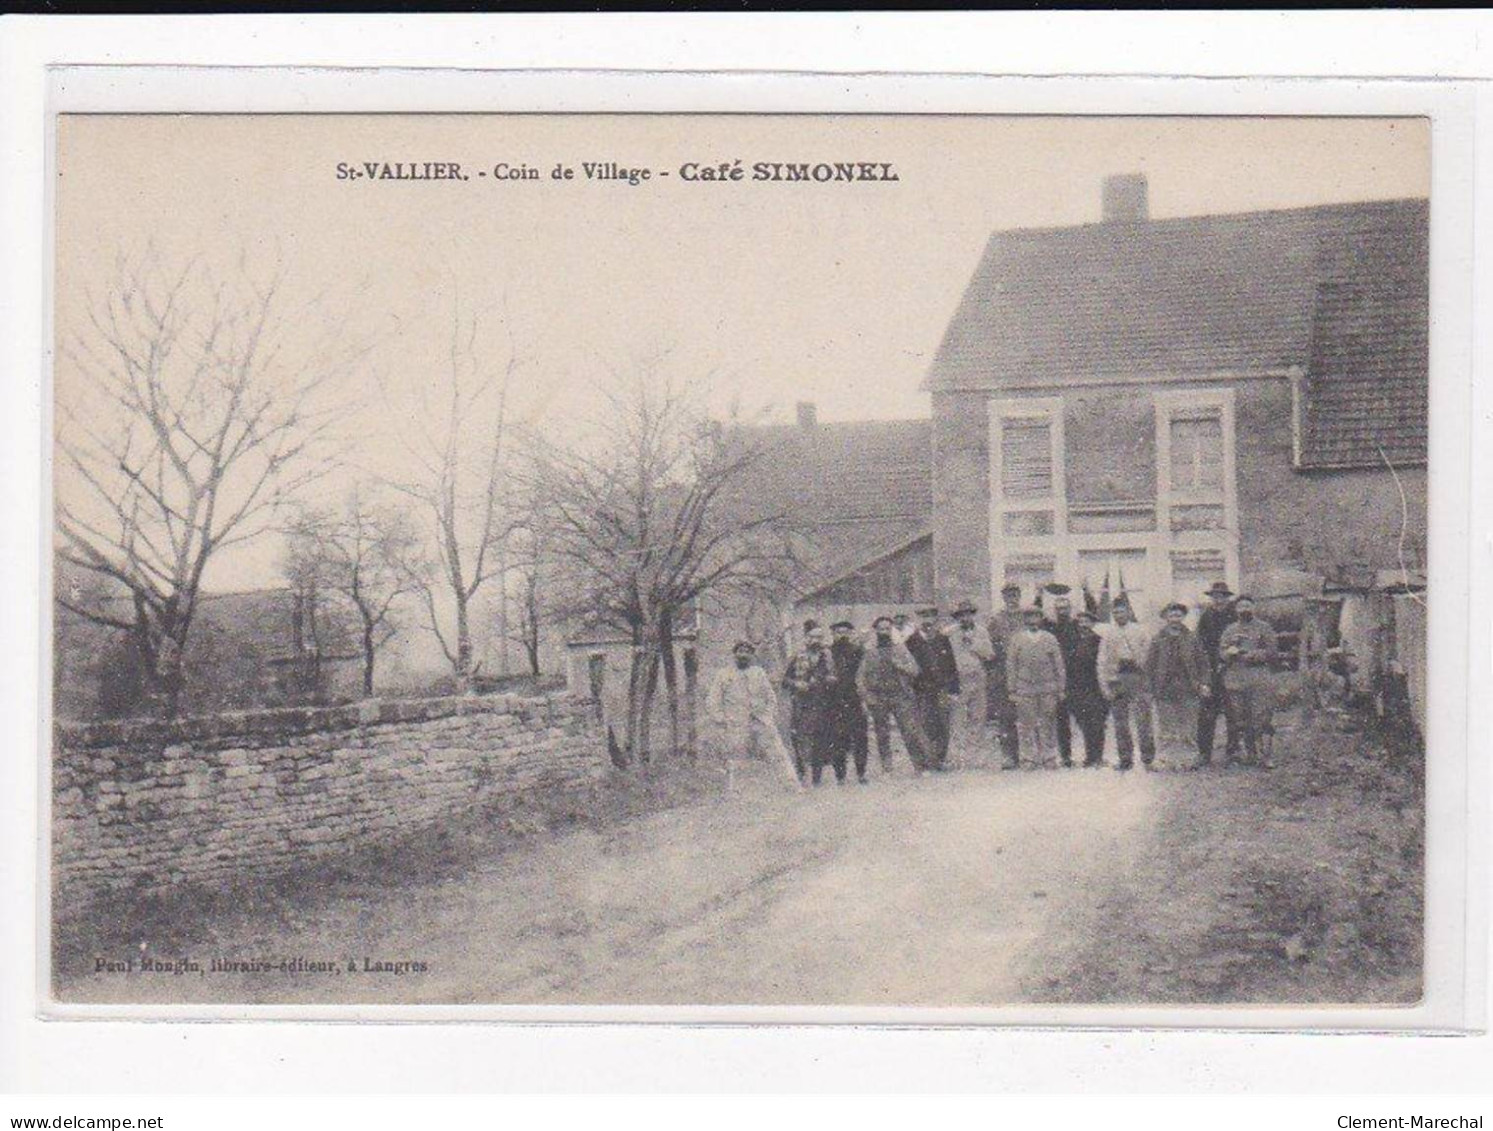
[[808, 415], [1125, 198]]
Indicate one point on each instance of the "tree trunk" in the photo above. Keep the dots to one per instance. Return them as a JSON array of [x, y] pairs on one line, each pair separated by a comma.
[[368, 651], [671, 684], [634, 698], [691, 697], [463, 670], [645, 709], [168, 676]]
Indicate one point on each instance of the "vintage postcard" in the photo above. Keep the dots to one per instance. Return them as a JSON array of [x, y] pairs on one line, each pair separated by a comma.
[[856, 561]]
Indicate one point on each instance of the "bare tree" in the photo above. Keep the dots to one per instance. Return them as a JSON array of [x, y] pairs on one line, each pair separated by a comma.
[[528, 581], [459, 444], [196, 412], [361, 553], [649, 523]]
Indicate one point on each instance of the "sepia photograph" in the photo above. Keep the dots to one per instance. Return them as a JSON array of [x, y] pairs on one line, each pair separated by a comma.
[[879, 561]]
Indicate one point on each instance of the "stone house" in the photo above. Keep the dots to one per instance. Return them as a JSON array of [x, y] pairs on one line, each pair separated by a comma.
[[1238, 396], [1164, 402]]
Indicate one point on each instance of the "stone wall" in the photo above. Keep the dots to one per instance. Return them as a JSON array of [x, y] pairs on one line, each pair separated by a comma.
[[1317, 521], [143, 806], [961, 498]]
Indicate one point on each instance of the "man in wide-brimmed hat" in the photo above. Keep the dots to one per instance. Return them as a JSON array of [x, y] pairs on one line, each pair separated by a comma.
[[1212, 621]]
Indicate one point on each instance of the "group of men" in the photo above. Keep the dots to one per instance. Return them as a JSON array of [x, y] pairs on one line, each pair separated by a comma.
[[1165, 689], [1034, 676]]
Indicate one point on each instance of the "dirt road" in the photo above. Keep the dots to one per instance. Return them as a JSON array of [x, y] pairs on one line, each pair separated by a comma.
[[975, 888]]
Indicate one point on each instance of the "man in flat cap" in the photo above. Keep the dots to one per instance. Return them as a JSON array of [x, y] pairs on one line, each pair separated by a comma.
[[1000, 707], [850, 734], [741, 711], [1215, 618], [935, 685]]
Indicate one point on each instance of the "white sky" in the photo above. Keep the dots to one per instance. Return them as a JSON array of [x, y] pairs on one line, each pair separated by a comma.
[[834, 293]]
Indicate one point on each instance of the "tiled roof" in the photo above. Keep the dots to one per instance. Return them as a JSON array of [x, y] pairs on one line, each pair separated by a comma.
[[1336, 292], [850, 490], [1367, 377]]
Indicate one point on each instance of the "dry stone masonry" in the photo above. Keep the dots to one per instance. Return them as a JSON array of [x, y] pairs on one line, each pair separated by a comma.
[[144, 806]]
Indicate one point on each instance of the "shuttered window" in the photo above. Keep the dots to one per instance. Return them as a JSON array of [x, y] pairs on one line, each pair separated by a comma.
[[1197, 452], [1026, 459]]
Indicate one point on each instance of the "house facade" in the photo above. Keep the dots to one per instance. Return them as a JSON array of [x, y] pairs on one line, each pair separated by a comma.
[[1170, 402]]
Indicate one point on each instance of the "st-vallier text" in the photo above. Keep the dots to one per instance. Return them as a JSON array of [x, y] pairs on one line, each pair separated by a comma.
[[617, 172]]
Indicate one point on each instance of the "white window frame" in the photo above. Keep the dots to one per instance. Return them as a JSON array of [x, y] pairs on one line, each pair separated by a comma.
[[1169, 404], [1049, 409]]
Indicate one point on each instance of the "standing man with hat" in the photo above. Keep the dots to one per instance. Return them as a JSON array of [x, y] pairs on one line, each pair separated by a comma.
[[1000, 707], [810, 681], [1086, 699], [1176, 679], [1122, 664], [935, 685], [884, 680], [1065, 629], [1036, 679], [1249, 649], [742, 712], [973, 654], [849, 713], [1212, 622]]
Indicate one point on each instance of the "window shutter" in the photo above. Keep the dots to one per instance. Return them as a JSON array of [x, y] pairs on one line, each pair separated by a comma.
[[1026, 459], [1197, 452]]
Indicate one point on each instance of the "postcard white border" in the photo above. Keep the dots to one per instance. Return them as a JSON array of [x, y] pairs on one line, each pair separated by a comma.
[[1457, 882]]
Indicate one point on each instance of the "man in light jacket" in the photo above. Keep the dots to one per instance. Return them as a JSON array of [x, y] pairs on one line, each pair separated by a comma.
[[1036, 680], [1122, 674], [741, 710]]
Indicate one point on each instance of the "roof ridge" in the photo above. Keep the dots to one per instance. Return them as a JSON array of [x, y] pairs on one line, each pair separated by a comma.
[[1151, 222]]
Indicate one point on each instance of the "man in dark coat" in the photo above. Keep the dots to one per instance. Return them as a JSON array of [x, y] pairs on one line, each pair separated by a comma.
[[935, 685], [850, 733], [1212, 622], [810, 683], [1086, 698], [1065, 628]]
